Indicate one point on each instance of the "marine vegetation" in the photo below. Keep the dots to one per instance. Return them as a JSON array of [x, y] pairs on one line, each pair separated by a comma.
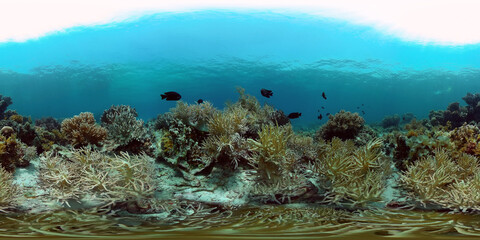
[[81, 130]]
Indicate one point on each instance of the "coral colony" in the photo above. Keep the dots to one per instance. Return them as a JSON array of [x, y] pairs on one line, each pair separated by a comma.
[[243, 155]]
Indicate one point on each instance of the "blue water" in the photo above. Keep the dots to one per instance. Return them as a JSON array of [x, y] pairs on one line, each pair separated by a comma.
[[207, 54]]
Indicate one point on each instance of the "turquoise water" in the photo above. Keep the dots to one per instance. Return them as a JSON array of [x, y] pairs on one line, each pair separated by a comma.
[[206, 54]]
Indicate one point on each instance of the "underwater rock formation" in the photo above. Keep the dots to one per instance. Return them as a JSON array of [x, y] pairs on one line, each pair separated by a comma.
[[344, 125], [81, 130]]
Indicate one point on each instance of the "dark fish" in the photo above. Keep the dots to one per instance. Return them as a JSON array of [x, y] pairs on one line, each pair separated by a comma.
[[324, 96], [199, 101], [266, 93], [323, 107], [171, 96], [327, 114], [403, 118], [294, 115], [320, 117], [362, 104], [358, 107], [363, 113]]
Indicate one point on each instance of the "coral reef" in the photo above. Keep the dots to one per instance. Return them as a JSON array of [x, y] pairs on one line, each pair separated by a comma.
[[8, 191], [391, 121], [344, 125], [124, 128], [87, 175], [48, 123], [445, 180], [4, 103], [81, 130], [270, 153], [350, 174]]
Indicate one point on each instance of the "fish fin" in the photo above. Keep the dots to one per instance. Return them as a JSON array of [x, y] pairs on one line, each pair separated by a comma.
[[163, 96]]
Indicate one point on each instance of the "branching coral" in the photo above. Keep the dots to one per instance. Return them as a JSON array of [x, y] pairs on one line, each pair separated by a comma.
[[467, 139], [81, 130], [344, 125], [48, 123], [83, 173], [194, 115], [353, 174], [124, 128], [391, 121], [445, 180]]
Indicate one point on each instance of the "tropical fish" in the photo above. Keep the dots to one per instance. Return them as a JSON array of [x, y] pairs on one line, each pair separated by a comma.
[[323, 107], [199, 101], [266, 93], [324, 96], [363, 113], [294, 115], [320, 117], [327, 114], [171, 96]]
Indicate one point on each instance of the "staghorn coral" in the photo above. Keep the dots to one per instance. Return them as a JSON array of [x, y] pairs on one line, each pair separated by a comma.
[[344, 125], [351, 174], [84, 173], [81, 130], [124, 128], [445, 180]]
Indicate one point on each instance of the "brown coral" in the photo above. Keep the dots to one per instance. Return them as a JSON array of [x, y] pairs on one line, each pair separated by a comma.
[[344, 125], [81, 130]]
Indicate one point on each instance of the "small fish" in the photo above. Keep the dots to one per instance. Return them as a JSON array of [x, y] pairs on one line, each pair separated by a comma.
[[171, 96], [362, 105], [294, 115], [324, 96], [266, 93], [320, 117], [323, 107], [358, 107], [200, 101], [328, 114], [363, 113]]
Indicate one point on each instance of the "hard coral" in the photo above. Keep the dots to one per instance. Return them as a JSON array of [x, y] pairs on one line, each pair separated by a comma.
[[124, 128], [4, 103], [81, 130], [194, 115], [344, 125], [48, 123], [391, 121]]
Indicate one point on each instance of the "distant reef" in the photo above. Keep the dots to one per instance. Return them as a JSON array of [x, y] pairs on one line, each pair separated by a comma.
[[246, 154]]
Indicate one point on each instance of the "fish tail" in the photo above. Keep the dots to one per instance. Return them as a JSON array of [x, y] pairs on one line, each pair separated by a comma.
[[163, 96]]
